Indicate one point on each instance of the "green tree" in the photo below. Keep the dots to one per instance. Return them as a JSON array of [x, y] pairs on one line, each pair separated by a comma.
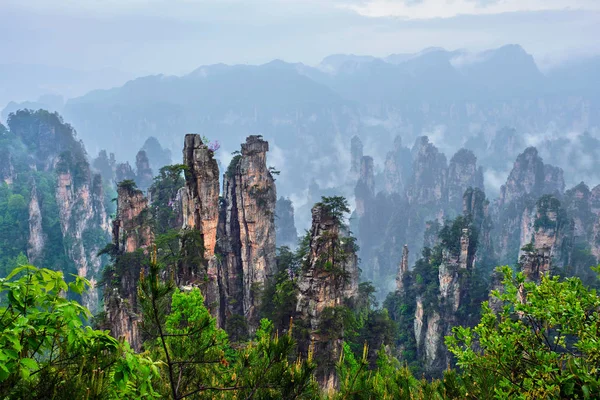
[[543, 343], [336, 206], [197, 359], [47, 352]]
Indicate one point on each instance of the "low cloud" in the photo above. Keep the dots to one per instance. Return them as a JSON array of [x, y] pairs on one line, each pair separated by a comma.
[[430, 9]]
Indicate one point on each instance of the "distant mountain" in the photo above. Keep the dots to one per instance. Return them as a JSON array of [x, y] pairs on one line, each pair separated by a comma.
[[26, 82], [309, 114]]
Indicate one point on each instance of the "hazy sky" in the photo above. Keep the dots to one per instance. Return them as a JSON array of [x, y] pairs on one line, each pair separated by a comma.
[[176, 36]]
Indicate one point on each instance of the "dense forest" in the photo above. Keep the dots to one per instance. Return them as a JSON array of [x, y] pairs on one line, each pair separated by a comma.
[[193, 282]]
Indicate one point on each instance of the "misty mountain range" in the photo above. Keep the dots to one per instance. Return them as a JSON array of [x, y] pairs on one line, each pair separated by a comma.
[[309, 114]]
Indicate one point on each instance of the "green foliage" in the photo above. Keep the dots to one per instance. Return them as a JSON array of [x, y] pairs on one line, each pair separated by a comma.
[[336, 206], [233, 164], [388, 380], [129, 186], [198, 362], [163, 193], [279, 298], [542, 344], [47, 352]]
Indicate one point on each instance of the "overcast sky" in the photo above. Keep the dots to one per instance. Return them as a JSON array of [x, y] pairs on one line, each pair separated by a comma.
[[176, 36]]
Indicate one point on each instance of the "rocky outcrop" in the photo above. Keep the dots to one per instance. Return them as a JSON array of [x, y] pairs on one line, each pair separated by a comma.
[[531, 177], [536, 262], [7, 169], [285, 227], [398, 168], [144, 173], [402, 271], [463, 174], [365, 187], [428, 183], [37, 237], [356, 154], [476, 208], [200, 209], [124, 172], [134, 229], [248, 231], [84, 225], [546, 226], [201, 196], [329, 276], [132, 236], [528, 181]]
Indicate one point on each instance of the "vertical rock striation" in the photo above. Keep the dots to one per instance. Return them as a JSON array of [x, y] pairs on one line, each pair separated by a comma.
[[248, 233], [329, 276], [200, 207], [37, 237], [402, 270], [132, 233]]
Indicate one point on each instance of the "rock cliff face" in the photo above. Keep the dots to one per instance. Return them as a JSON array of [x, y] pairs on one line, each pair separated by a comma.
[[124, 172], [7, 169], [546, 226], [463, 173], [531, 177], [432, 324], [398, 168], [248, 231], [68, 224], [144, 173], [428, 183], [529, 180], [200, 208], [285, 227], [201, 196], [131, 232], [84, 224], [132, 220], [536, 262], [421, 189], [402, 270], [37, 236], [356, 154], [365, 187], [329, 276]]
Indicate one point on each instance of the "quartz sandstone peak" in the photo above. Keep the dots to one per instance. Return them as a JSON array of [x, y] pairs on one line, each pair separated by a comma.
[[201, 197], [247, 230], [326, 282]]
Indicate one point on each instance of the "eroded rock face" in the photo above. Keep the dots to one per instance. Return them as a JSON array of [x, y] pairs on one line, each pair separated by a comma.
[[200, 214], [536, 262], [248, 234], [144, 173], [131, 231], [7, 170], [463, 173], [356, 154], [398, 168], [133, 220], [325, 283], [428, 184], [402, 270], [530, 176], [82, 216], [529, 180], [365, 187], [37, 237], [124, 172], [201, 197]]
